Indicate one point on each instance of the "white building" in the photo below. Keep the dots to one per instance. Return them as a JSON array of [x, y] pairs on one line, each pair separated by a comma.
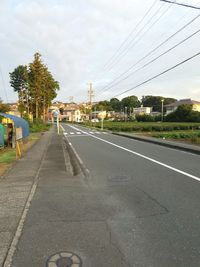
[[142, 110], [172, 107]]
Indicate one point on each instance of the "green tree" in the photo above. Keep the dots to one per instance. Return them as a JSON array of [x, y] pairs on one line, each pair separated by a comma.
[[43, 87], [4, 107], [19, 81], [130, 102], [36, 82], [102, 105], [184, 113], [156, 102], [35, 86], [115, 104]]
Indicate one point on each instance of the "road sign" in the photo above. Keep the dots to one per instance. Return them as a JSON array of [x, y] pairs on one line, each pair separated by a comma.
[[102, 115], [18, 133]]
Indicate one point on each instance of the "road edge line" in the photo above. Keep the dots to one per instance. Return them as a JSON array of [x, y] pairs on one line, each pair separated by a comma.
[[174, 146], [146, 157]]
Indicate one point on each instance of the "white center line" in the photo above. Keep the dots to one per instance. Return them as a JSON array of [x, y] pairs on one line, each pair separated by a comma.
[[143, 156]]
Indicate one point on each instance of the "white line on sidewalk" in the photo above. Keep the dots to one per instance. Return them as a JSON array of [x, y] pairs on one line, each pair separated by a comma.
[[143, 156]]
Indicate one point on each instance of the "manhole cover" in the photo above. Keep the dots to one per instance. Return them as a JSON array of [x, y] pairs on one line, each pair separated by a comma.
[[64, 259]]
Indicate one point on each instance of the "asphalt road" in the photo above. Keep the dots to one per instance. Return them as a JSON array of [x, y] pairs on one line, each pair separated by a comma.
[[139, 205], [151, 195]]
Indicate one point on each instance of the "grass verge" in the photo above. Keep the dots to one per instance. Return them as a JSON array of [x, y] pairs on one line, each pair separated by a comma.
[[8, 155]]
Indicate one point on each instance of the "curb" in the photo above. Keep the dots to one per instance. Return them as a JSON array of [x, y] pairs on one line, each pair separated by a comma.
[[76, 162], [160, 143]]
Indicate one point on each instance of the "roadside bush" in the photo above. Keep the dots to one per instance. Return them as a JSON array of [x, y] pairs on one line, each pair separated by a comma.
[[38, 126], [145, 118], [183, 113]]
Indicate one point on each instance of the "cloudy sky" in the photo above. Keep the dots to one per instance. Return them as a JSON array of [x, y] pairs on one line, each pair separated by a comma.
[[84, 41]]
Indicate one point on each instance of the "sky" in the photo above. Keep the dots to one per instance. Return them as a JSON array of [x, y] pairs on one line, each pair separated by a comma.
[[96, 41]]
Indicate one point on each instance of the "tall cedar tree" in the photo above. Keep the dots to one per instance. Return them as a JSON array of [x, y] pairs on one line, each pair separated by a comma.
[[42, 85], [35, 86]]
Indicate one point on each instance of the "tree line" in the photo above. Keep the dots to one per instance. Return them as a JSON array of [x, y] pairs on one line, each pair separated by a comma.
[[36, 87], [131, 102]]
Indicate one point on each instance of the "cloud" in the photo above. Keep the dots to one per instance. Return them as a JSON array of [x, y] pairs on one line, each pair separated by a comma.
[[77, 38]]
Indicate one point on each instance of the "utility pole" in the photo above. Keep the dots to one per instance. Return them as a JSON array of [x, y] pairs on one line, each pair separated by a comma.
[[180, 4], [71, 99], [162, 101], [90, 93]]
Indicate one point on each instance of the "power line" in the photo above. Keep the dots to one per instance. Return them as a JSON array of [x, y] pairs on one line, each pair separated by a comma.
[[149, 53], [132, 31], [160, 74], [136, 35], [181, 4], [156, 58], [4, 87], [132, 44]]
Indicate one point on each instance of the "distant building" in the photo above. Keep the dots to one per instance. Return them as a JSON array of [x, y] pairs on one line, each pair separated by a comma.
[[142, 110], [72, 115], [14, 109], [172, 107]]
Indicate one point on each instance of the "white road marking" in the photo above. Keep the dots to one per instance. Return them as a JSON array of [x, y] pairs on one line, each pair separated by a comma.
[[65, 133], [91, 132], [77, 135], [78, 132], [145, 157], [71, 133]]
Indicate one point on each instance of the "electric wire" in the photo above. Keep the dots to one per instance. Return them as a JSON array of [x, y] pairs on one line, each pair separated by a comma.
[[4, 87], [156, 58], [132, 31], [181, 4], [132, 44], [105, 88], [160, 74]]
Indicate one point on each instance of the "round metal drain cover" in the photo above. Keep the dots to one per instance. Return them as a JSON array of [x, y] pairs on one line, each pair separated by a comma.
[[64, 259]]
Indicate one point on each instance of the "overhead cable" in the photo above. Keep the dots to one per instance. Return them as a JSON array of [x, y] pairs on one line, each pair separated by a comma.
[[3, 83], [135, 41], [160, 74], [132, 31], [156, 58], [105, 88]]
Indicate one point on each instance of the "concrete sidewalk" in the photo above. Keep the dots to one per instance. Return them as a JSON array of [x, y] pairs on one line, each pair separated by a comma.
[[65, 222], [15, 188], [162, 142]]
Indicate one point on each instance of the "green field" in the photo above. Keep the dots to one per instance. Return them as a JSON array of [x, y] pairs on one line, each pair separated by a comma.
[[146, 126]]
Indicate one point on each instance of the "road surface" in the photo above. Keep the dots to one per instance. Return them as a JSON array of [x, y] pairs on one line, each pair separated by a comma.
[[153, 195], [139, 205]]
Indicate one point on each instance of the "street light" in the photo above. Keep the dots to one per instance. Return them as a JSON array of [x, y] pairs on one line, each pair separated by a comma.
[[162, 100]]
